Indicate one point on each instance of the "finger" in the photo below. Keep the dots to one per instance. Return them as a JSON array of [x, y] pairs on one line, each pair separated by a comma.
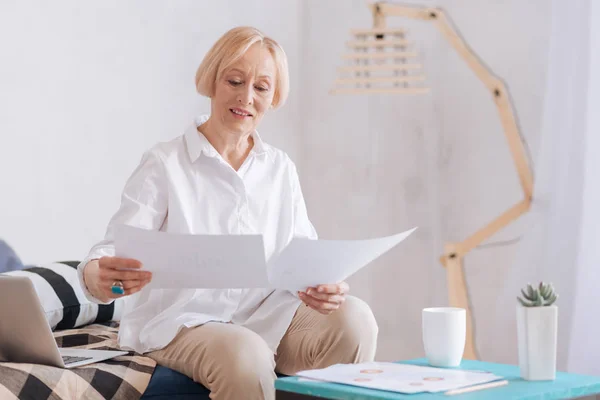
[[120, 275], [335, 288], [309, 302], [306, 299], [335, 298], [327, 289], [318, 304], [133, 290], [324, 305], [118, 262], [127, 285], [344, 287]]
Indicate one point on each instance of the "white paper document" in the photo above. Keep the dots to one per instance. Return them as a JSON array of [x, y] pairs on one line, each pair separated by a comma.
[[402, 378], [195, 261], [307, 263], [238, 261]]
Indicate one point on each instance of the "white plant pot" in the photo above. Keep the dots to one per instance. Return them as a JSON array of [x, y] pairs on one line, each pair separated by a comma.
[[537, 331]]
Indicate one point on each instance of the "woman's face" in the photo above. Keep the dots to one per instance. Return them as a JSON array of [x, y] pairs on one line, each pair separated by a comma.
[[245, 91]]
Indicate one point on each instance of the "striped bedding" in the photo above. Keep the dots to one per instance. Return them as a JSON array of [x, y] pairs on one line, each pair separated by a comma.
[[125, 377], [58, 288]]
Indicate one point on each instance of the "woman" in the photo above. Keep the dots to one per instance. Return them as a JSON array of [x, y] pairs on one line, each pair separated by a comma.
[[219, 177]]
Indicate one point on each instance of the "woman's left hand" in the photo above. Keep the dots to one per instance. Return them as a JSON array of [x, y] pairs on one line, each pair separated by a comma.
[[325, 298]]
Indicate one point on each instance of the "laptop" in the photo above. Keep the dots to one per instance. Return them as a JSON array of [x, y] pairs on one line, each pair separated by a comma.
[[25, 335]]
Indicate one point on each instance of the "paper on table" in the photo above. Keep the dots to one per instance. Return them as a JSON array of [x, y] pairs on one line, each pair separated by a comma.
[[402, 378], [307, 263], [195, 261]]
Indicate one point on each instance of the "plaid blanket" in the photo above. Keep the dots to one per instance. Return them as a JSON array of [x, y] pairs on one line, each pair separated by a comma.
[[124, 377]]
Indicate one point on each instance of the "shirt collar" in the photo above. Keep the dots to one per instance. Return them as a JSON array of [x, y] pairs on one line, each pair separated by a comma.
[[198, 144]]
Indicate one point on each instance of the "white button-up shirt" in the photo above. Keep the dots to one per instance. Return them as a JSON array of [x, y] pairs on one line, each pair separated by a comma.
[[185, 186]]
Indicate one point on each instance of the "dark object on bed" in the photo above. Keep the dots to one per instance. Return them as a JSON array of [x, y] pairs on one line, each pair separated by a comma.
[[169, 384], [9, 261]]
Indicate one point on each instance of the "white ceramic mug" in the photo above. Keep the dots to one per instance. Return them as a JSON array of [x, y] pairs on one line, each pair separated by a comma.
[[444, 335]]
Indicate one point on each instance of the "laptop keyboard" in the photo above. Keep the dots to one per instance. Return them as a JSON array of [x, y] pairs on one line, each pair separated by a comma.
[[70, 359]]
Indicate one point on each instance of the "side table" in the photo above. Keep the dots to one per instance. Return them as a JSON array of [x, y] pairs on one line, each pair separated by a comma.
[[565, 386]]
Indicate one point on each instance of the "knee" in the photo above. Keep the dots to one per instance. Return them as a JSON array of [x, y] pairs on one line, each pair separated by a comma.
[[245, 368], [356, 324], [246, 358], [235, 365], [355, 316]]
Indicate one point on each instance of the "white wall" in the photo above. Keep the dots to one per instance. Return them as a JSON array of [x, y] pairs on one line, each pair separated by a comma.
[[374, 165], [87, 87]]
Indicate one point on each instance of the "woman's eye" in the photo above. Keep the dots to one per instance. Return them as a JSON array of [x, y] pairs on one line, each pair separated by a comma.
[[234, 83], [261, 89]]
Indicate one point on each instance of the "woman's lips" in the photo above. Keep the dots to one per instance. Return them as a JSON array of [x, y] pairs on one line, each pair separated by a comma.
[[240, 113]]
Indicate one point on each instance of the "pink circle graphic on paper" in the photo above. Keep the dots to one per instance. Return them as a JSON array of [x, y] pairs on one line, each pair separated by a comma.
[[371, 371]]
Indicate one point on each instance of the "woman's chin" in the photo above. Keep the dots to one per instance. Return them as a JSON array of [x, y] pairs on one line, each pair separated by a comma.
[[240, 125]]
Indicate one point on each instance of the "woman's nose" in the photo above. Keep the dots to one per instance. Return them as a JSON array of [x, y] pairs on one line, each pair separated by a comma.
[[245, 96]]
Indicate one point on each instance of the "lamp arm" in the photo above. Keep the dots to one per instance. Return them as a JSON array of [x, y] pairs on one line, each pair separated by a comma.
[[501, 96], [455, 252], [504, 219]]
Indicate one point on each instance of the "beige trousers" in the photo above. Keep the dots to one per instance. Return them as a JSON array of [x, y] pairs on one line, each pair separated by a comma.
[[235, 363]]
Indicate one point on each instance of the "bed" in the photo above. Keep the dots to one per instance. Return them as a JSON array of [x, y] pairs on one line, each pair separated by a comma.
[[78, 323]]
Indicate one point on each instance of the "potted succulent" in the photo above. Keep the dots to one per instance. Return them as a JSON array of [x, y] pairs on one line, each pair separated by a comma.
[[537, 323]]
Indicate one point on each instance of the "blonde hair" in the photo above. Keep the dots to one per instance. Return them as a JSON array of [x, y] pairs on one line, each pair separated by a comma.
[[231, 47]]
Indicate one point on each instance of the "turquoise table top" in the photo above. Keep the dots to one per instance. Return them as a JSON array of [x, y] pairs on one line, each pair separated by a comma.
[[565, 386]]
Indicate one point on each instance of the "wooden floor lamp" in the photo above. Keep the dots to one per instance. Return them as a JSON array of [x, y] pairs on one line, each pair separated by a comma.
[[381, 65]]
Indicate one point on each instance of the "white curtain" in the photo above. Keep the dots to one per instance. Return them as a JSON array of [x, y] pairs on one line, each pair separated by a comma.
[[561, 244], [584, 346]]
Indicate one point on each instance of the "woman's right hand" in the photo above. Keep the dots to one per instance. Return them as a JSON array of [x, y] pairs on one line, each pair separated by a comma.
[[100, 274]]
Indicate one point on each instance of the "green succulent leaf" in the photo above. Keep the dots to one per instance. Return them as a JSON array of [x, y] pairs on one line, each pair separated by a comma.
[[529, 290], [551, 300], [539, 302], [539, 295], [524, 303]]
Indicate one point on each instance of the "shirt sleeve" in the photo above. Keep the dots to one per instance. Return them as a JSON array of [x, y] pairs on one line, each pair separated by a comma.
[[302, 225], [144, 202]]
